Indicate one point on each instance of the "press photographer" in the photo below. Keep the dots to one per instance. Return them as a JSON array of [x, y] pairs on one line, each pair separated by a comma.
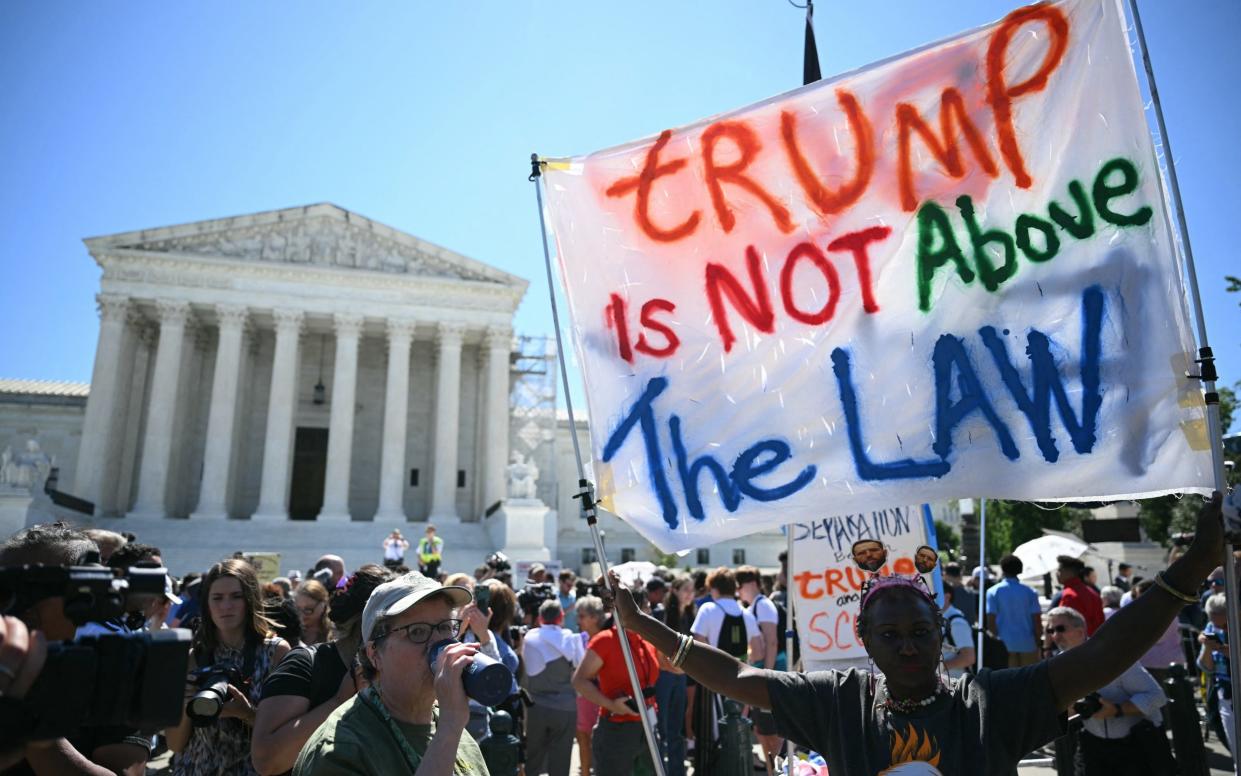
[[82, 713], [234, 650]]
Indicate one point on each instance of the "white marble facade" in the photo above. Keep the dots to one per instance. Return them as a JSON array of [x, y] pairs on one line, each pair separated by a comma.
[[213, 336]]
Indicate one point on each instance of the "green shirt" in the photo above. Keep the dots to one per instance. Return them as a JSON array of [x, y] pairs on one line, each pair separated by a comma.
[[356, 740]]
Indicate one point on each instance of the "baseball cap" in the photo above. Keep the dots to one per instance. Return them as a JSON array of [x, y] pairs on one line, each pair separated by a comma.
[[392, 598], [168, 592]]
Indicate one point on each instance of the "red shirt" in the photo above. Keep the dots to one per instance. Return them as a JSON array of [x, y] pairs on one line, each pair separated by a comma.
[[1079, 596], [613, 678]]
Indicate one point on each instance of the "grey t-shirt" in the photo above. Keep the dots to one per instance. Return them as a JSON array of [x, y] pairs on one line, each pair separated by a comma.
[[984, 726]]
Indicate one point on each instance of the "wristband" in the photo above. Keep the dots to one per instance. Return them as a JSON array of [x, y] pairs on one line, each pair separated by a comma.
[[1162, 583]]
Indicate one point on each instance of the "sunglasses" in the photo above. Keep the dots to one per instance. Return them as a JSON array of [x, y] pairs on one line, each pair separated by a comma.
[[1056, 629], [309, 610]]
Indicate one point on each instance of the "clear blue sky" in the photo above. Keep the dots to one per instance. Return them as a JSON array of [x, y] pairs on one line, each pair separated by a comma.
[[120, 116]]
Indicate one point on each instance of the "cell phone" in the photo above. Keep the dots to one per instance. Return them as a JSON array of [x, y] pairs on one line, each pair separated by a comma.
[[482, 598]]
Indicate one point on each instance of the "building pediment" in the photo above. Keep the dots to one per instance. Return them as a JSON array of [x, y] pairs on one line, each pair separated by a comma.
[[323, 235]]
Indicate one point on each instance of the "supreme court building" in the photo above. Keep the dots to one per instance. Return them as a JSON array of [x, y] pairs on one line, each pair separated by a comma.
[[303, 381]]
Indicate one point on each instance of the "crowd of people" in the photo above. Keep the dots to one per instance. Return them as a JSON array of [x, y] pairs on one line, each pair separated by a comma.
[[363, 670]]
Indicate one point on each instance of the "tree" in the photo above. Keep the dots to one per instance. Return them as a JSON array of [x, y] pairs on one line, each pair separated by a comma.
[[1012, 523], [946, 538]]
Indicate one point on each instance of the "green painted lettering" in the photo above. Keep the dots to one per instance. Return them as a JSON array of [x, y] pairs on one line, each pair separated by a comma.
[[933, 219], [1104, 191]]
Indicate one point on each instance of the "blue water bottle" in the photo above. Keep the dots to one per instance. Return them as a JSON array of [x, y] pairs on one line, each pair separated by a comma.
[[487, 680]]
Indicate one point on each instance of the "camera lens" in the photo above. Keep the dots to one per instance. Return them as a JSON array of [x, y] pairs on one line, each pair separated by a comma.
[[204, 708]]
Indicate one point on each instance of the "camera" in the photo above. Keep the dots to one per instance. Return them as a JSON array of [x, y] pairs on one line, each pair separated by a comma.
[[115, 679], [533, 595], [498, 562], [1089, 706], [132, 680], [1182, 539], [91, 593], [212, 681]]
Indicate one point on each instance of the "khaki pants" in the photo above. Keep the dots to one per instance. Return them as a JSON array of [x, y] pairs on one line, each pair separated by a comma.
[[1021, 659]]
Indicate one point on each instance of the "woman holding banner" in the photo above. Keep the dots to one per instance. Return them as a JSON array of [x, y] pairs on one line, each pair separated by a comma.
[[864, 725]]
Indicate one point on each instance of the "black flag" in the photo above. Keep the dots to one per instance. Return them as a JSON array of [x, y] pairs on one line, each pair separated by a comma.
[[810, 66]]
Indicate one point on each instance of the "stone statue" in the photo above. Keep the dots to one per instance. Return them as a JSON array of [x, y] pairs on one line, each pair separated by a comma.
[[25, 470], [523, 478], [6, 464]]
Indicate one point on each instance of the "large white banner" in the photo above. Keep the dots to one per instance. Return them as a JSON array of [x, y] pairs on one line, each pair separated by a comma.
[[948, 274], [826, 584]]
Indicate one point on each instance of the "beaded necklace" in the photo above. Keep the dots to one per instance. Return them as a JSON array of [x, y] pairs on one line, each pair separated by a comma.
[[912, 705]]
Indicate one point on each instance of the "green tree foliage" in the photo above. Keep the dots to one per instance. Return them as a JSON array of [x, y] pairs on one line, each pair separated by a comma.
[[1012, 523], [946, 538]]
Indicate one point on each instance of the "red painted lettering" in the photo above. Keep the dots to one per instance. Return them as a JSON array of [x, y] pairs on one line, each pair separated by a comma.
[[953, 122], [826, 200], [672, 342], [746, 141], [803, 581], [857, 243], [815, 256], [756, 310], [651, 171], [835, 579], [820, 640], [615, 315], [846, 619], [1000, 94]]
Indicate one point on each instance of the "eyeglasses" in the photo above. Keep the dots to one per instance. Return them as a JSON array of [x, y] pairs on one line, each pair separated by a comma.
[[1217, 581], [421, 632], [1056, 629], [309, 610]]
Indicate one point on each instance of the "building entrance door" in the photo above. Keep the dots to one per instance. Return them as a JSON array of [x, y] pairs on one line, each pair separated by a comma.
[[309, 471]]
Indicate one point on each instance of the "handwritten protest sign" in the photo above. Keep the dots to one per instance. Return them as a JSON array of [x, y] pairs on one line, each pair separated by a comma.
[[948, 274], [826, 583]]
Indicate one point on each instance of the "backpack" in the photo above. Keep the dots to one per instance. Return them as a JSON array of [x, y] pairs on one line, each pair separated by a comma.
[[994, 652], [782, 626]]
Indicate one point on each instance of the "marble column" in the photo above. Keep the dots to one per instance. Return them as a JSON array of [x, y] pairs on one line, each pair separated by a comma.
[[101, 406], [162, 411], [447, 416], [395, 424], [108, 503], [499, 344], [340, 423], [282, 402], [222, 416]]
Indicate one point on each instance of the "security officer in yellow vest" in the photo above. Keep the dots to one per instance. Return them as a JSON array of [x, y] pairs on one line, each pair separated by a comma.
[[430, 554]]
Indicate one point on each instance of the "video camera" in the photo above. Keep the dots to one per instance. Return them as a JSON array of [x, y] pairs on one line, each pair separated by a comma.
[[533, 595], [498, 562], [91, 593], [134, 680]]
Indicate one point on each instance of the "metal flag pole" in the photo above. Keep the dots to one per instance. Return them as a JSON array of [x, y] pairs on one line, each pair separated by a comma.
[[584, 488], [810, 74], [982, 594], [1206, 372]]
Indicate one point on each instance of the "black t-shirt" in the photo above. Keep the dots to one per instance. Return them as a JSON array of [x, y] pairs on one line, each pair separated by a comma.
[[313, 672], [984, 726]]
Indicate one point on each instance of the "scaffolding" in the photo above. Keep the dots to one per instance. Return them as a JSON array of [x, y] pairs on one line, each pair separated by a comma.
[[532, 404]]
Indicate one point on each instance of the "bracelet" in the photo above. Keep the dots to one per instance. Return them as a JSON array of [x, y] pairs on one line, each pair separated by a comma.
[[1162, 583], [682, 651]]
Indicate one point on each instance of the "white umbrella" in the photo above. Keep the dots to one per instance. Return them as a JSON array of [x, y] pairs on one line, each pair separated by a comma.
[[1038, 556]]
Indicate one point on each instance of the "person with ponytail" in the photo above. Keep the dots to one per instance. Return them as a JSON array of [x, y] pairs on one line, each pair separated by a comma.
[[314, 679]]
